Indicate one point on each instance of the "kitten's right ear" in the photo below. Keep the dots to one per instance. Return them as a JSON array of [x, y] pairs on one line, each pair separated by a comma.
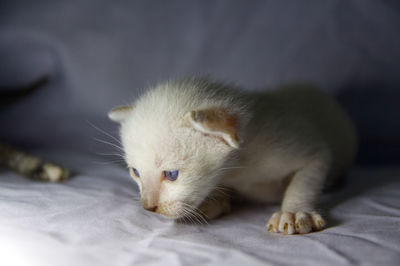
[[218, 122], [120, 113]]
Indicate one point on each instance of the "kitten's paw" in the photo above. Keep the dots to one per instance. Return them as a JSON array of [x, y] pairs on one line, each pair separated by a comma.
[[211, 209], [318, 223], [295, 223], [216, 204]]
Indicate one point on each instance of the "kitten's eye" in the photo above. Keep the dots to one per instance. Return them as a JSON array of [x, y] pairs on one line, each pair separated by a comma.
[[171, 175], [133, 172]]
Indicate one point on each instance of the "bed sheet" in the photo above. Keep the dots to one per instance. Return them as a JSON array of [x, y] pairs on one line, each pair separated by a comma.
[[95, 219]]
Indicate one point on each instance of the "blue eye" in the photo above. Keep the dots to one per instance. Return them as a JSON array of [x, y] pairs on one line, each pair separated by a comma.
[[134, 171], [171, 175]]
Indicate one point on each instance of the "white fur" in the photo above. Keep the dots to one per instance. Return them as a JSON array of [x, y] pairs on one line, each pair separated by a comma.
[[292, 140]]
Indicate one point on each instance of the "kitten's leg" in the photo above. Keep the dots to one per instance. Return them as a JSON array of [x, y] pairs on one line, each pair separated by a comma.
[[216, 204], [31, 166], [298, 213]]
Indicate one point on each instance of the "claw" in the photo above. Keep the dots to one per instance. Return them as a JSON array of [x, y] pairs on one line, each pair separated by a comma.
[[295, 223]]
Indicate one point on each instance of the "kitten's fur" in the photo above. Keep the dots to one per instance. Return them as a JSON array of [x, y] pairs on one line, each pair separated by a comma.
[[273, 146]]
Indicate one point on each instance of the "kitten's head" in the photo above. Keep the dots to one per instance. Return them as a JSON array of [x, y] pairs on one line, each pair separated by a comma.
[[175, 157]]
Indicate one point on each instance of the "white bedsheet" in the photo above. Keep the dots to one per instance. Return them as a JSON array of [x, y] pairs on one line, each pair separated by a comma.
[[96, 219]]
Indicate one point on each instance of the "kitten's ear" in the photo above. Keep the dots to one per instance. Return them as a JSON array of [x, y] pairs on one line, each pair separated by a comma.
[[218, 122], [120, 113]]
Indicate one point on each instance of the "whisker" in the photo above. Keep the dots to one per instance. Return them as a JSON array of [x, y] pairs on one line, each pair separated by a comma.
[[186, 214], [104, 132], [233, 167], [109, 143], [200, 212], [111, 154], [183, 219], [223, 190], [196, 213], [190, 216], [199, 217], [202, 216], [108, 162]]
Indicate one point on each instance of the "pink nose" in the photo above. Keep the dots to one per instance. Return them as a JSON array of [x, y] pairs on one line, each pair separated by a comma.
[[152, 209]]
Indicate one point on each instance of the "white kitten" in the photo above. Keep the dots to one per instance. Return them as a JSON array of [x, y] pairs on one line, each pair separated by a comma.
[[184, 140]]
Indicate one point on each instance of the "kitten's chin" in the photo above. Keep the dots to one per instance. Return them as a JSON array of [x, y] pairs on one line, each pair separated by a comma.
[[171, 216], [175, 210]]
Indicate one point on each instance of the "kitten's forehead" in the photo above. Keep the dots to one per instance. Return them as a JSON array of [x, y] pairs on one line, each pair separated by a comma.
[[152, 149]]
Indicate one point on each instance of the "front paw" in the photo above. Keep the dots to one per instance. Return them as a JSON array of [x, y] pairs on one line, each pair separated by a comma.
[[295, 223], [211, 209]]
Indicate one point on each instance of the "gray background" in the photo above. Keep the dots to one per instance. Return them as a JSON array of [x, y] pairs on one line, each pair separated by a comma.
[[100, 53]]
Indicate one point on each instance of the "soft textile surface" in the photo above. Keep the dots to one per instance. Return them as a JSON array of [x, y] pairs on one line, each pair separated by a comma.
[[95, 219]]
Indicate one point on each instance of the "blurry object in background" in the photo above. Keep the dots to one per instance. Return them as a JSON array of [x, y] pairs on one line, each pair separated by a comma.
[[30, 165], [20, 161], [10, 95]]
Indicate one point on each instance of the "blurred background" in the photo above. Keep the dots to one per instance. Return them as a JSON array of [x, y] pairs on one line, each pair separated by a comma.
[[91, 55]]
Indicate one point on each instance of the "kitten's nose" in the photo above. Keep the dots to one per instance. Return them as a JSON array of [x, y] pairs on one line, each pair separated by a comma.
[[152, 209]]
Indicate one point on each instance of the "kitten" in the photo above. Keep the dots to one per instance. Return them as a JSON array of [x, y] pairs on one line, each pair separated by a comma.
[[184, 140]]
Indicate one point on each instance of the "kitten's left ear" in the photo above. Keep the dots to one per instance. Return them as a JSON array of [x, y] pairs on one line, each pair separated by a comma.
[[120, 113], [218, 122]]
